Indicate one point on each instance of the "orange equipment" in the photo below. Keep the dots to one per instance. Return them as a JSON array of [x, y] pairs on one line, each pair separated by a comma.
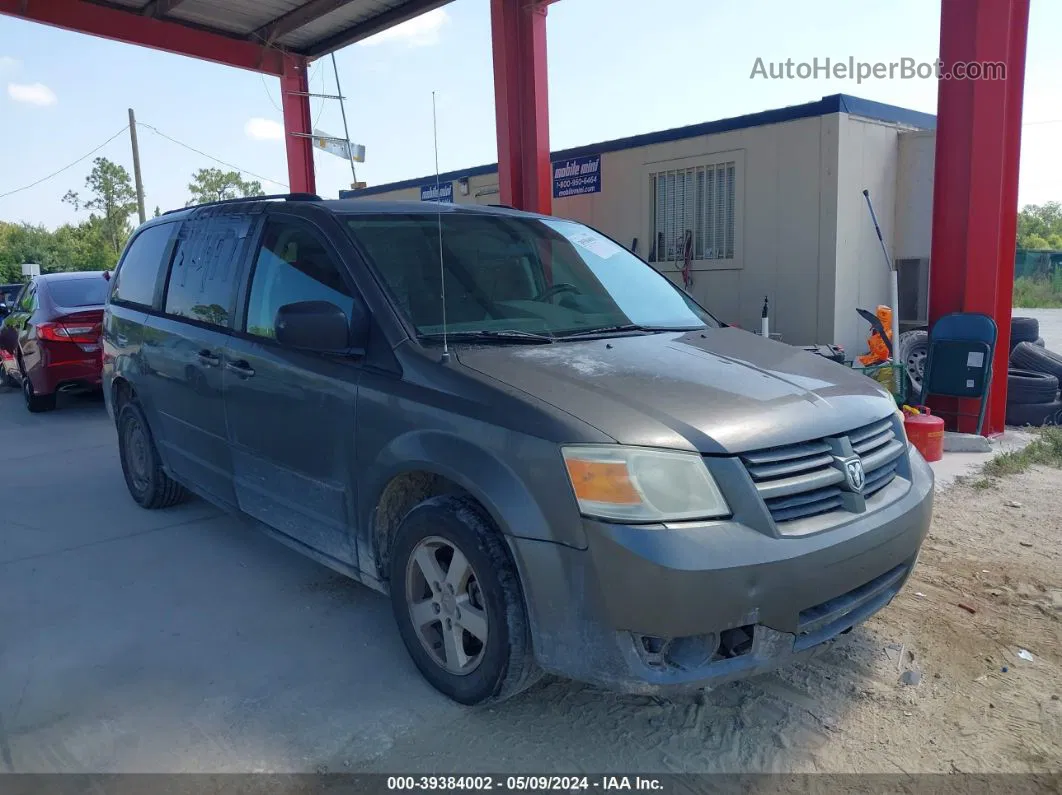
[[879, 351]]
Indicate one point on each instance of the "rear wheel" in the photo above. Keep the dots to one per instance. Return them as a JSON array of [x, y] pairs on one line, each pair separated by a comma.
[[34, 402], [458, 603], [148, 484]]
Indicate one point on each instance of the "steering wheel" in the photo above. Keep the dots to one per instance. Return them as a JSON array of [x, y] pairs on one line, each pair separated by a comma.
[[556, 289]]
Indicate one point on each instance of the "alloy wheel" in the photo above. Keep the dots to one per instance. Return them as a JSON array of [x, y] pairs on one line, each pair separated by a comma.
[[446, 605]]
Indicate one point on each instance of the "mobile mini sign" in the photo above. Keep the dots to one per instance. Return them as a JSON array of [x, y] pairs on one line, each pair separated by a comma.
[[441, 192], [576, 176]]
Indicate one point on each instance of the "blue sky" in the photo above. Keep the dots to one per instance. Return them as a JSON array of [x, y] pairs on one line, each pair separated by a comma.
[[617, 67]]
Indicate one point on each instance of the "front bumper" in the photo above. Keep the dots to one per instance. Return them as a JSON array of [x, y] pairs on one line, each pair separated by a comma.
[[727, 600]]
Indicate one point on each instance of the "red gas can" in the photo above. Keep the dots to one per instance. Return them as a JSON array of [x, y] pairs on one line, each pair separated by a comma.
[[925, 432]]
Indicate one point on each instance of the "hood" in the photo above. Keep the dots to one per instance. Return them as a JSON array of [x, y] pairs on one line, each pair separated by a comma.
[[715, 391]]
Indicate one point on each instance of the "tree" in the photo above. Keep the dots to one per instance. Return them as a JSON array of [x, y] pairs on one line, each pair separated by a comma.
[[113, 196], [158, 212], [70, 247], [213, 184], [1040, 226]]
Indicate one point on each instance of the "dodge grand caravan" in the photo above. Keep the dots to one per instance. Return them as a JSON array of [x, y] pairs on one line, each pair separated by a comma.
[[550, 457]]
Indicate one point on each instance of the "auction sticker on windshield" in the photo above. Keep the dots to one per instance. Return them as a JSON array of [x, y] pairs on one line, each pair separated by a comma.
[[588, 239]]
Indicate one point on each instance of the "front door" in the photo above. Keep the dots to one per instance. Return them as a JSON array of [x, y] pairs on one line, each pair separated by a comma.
[[290, 412], [18, 332]]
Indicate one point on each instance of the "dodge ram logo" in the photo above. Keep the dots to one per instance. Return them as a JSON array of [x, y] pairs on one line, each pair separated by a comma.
[[853, 471]]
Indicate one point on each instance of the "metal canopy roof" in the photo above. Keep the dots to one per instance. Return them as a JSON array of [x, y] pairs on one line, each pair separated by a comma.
[[305, 27]]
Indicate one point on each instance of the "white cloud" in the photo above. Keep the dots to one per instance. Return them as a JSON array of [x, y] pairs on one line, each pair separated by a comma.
[[9, 64], [31, 93], [264, 129], [422, 31]]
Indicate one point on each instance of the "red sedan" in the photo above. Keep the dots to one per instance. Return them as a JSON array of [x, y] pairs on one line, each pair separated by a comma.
[[51, 335]]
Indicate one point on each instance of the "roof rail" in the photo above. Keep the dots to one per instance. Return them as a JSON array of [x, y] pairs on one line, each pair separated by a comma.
[[291, 197]]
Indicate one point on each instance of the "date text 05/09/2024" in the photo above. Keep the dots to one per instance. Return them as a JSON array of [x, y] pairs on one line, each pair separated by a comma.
[[488, 783]]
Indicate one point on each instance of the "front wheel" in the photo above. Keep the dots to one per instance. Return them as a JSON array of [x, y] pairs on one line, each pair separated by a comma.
[[458, 604]]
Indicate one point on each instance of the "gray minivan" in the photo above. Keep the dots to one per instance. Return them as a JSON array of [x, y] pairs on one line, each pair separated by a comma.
[[548, 455]]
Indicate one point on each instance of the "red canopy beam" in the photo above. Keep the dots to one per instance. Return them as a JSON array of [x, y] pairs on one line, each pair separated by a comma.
[[294, 95], [521, 98], [975, 189], [161, 34]]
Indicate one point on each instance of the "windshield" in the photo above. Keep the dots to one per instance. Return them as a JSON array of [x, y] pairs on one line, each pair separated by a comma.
[[89, 291], [544, 276]]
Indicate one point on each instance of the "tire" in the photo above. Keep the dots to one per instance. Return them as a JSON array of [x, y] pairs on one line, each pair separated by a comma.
[[1028, 386], [495, 668], [1027, 356], [148, 484], [36, 404], [1024, 329], [1035, 414], [914, 350]]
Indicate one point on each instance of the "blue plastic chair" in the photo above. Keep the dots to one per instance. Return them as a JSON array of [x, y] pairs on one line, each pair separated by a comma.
[[959, 363]]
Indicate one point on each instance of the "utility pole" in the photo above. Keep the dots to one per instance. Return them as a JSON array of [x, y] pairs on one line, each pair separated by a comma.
[[136, 168]]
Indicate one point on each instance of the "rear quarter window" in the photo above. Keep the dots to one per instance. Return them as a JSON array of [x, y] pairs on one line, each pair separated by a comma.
[[138, 274]]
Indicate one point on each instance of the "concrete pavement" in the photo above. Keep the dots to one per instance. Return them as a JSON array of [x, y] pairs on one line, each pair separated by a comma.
[[174, 640]]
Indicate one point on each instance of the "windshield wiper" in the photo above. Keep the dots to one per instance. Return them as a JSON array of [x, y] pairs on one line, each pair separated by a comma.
[[623, 327], [504, 335]]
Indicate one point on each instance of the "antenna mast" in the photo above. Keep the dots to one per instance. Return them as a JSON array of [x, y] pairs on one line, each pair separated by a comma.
[[438, 216]]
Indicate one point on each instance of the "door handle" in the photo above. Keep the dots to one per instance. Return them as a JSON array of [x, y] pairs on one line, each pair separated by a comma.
[[241, 368], [208, 358], [121, 339]]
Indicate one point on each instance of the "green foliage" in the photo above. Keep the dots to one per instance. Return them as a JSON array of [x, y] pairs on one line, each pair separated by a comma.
[[1040, 226], [112, 194], [1038, 292], [84, 247], [213, 184]]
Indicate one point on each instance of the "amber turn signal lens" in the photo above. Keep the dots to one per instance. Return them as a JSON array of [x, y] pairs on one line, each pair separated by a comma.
[[602, 481]]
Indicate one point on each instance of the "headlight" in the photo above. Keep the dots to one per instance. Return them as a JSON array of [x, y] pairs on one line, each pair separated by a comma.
[[635, 484], [903, 428]]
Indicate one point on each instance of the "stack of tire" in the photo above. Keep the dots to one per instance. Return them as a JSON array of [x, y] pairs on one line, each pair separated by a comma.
[[1033, 378]]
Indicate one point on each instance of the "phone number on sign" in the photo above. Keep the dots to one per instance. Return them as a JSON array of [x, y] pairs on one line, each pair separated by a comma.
[[509, 783]]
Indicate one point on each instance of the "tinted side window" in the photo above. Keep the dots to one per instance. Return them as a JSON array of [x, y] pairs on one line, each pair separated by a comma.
[[137, 275], [205, 266], [293, 265]]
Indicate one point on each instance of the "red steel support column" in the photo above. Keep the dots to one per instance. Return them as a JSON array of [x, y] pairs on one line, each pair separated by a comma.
[[975, 190], [518, 32], [294, 88]]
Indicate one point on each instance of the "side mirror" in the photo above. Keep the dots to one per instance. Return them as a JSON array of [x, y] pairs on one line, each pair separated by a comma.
[[321, 326], [5, 310]]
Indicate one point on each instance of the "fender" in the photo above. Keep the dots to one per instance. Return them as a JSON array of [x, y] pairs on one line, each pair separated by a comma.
[[482, 474]]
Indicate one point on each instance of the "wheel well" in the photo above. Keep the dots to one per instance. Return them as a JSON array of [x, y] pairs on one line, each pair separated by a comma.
[[403, 493], [121, 393]]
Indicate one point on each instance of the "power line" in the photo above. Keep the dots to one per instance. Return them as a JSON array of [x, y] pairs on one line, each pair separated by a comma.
[[158, 132], [64, 168], [265, 87]]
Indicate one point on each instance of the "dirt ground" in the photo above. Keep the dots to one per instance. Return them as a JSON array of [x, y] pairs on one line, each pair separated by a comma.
[[978, 707]]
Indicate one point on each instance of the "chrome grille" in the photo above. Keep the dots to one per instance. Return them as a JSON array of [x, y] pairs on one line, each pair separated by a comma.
[[801, 480]]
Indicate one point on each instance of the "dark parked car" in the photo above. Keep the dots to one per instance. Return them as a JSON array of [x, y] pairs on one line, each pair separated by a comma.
[[51, 336], [565, 464]]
